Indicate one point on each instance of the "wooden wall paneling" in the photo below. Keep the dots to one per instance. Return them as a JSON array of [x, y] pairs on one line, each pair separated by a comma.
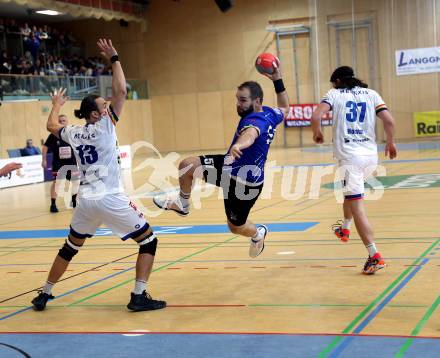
[[209, 109], [186, 122]]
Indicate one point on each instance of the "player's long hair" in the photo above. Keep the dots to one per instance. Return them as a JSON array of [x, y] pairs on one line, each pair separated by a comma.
[[345, 75], [88, 105]]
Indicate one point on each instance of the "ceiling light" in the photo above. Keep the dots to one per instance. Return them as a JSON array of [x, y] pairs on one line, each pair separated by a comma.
[[49, 12]]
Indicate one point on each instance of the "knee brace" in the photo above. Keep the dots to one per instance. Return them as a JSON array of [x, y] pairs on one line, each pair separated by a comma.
[[148, 245], [68, 250]]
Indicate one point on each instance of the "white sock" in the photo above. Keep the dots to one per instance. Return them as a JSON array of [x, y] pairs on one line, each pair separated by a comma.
[[371, 249], [47, 288], [259, 235], [184, 199], [346, 224], [139, 287]]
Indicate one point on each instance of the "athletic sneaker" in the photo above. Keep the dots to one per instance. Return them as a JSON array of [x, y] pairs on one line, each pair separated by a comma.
[[373, 264], [170, 204], [257, 246], [53, 209], [144, 302], [343, 234], [40, 301]]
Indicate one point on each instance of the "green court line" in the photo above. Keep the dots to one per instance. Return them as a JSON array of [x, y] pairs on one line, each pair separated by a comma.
[[305, 305], [155, 270], [418, 328], [25, 248], [379, 298]]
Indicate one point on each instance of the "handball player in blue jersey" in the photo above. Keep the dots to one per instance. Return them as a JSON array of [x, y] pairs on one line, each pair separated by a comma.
[[240, 172]]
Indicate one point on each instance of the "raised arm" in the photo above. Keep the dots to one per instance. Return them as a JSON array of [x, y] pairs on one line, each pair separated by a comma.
[[119, 86], [317, 114], [388, 125], [282, 97], [58, 99]]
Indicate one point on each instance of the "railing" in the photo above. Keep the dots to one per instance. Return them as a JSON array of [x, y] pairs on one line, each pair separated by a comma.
[[30, 86]]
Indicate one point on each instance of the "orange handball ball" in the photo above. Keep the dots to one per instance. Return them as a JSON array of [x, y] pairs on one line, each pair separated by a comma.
[[264, 63]]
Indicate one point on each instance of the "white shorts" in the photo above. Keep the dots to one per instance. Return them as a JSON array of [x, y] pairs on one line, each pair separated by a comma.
[[115, 211], [354, 172]]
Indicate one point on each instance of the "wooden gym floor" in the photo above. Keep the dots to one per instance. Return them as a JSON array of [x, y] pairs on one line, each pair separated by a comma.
[[304, 296]]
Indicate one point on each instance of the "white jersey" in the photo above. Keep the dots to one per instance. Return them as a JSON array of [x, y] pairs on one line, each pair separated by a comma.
[[96, 151], [354, 120]]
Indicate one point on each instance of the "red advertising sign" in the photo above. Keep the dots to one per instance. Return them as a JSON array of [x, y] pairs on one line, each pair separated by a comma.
[[301, 114]]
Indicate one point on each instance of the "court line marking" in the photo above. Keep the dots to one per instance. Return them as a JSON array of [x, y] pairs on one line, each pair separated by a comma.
[[113, 275], [281, 305], [123, 283], [362, 314], [130, 280], [226, 333], [418, 328], [346, 341], [71, 276], [155, 270]]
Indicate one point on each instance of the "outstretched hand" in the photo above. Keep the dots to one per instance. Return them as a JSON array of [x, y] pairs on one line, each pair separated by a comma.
[[10, 167], [106, 48], [59, 96]]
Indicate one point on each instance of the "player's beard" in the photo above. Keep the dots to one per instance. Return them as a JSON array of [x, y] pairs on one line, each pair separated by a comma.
[[246, 112]]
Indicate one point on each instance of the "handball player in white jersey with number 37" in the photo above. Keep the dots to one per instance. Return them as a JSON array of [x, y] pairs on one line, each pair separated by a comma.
[[355, 108]]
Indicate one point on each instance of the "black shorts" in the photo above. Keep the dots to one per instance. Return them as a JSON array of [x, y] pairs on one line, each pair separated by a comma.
[[239, 198]]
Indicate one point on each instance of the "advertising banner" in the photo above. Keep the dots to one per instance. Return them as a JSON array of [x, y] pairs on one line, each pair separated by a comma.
[[426, 124], [301, 114], [32, 171], [418, 60]]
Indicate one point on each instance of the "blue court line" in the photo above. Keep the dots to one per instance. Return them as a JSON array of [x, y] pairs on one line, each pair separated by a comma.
[[68, 292], [168, 230], [393, 161], [347, 340], [228, 260]]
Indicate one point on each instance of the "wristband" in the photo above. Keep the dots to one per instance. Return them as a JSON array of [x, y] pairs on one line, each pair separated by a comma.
[[114, 58], [279, 86]]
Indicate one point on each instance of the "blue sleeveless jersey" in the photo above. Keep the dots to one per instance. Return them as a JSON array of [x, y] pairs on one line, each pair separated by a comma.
[[250, 167]]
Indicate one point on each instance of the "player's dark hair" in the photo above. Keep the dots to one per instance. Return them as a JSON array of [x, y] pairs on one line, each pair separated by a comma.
[[254, 88], [88, 105], [345, 75]]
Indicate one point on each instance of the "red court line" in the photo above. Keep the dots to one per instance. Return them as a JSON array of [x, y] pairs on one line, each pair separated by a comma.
[[13, 272], [240, 333], [206, 306], [263, 267], [201, 268]]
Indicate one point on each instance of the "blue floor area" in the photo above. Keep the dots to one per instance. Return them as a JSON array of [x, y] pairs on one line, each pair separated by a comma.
[[164, 230], [203, 345]]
